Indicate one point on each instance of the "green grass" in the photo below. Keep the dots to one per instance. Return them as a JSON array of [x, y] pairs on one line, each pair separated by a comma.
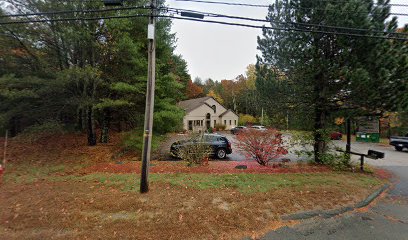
[[245, 183], [28, 173]]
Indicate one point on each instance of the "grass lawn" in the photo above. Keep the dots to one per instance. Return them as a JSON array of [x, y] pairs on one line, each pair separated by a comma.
[[62, 189], [45, 204]]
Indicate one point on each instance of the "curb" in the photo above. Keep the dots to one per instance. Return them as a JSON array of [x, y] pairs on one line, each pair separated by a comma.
[[334, 212]]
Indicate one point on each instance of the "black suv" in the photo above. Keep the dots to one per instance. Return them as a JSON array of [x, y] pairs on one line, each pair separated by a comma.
[[220, 145]]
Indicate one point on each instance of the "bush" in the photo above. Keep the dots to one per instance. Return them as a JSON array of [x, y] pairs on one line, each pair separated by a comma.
[[220, 126], [195, 153], [262, 146], [37, 131], [133, 140], [245, 119], [338, 162]]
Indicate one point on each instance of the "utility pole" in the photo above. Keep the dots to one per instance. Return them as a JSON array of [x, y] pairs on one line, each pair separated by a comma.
[[148, 123]]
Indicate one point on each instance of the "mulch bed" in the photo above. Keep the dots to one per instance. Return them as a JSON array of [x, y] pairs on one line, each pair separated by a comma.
[[219, 167]]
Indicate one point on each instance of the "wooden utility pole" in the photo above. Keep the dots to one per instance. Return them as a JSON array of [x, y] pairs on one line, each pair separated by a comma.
[[148, 123]]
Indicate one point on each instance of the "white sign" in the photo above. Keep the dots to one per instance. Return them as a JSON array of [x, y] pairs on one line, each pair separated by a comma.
[[150, 31]]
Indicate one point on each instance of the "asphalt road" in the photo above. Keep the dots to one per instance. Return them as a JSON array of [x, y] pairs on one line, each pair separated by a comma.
[[388, 219]]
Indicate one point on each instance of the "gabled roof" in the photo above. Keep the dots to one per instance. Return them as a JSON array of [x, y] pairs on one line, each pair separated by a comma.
[[192, 104], [229, 110]]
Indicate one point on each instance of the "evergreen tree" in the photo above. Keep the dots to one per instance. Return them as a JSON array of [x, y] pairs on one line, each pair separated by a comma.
[[332, 72]]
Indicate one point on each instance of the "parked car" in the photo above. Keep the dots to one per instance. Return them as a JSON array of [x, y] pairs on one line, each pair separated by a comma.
[[238, 129], [259, 127], [219, 144], [399, 143], [336, 136]]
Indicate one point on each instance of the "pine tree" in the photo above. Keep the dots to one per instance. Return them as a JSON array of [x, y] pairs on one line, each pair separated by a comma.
[[329, 71]]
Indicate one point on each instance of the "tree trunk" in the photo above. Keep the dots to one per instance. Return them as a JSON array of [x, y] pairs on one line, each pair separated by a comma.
[[320, 118], [105, 126], [91, 127], [79, 119], [319, 126]]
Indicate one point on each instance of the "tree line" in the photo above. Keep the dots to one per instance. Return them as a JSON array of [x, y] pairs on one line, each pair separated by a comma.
[[87, 74], [306, 79]]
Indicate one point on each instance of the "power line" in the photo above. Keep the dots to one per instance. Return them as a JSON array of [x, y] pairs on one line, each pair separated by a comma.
[[290, 29], [225, 3], [75, 19], [74, 11], [177, 11], [291, 23], [336, 10], [266, 5], [206, 21]]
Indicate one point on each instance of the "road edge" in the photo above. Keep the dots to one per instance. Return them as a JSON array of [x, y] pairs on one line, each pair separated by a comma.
[[338, 211]]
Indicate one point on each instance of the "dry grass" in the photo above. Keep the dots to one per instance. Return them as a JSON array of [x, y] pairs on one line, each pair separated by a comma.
[[46, 194], [89, 209]]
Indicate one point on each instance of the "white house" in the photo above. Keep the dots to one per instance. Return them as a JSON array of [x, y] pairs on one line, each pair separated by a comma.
[[205, 112]]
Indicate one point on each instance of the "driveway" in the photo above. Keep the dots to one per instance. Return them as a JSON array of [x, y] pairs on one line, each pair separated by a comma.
[[388, 219]]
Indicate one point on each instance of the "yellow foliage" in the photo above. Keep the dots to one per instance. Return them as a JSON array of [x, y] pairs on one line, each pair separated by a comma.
[[339, 121], [217, 97], [246, 118]]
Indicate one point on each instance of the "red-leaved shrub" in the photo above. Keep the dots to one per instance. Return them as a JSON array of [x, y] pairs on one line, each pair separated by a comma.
[[262, 146]]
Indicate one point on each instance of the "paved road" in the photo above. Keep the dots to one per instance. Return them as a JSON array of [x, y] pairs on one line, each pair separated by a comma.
[[386, 220]]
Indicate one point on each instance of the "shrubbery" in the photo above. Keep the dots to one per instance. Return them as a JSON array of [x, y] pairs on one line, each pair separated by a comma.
[[38, 131], [220, 126], [245, 119], [262, 146], [303, 142], [197, 153], [133, 140]]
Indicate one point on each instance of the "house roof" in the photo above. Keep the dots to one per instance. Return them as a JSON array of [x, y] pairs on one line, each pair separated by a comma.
[[191, 104], [229, 110]]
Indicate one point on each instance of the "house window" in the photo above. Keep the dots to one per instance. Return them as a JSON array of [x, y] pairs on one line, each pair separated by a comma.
[[235, 122], [215, 122], [225, 122], [201, 122], [214, 108], [190, 125], [230, 122]]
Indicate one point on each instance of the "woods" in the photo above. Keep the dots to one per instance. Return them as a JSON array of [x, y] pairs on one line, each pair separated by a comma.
[[85, 74], [89, 73]]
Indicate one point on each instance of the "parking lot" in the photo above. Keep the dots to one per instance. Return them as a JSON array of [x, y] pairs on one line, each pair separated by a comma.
[[392, 158]]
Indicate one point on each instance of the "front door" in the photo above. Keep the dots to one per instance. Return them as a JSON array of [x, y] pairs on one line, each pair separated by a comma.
[[208, 121]]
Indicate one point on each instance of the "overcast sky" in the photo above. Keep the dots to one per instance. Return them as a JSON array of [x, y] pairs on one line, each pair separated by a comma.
[[223, 52]]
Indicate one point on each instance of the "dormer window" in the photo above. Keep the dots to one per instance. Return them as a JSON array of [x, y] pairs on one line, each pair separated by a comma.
[[214, 108]]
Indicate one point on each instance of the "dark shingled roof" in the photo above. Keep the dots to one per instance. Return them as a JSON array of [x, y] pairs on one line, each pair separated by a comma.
[[192, 104]]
